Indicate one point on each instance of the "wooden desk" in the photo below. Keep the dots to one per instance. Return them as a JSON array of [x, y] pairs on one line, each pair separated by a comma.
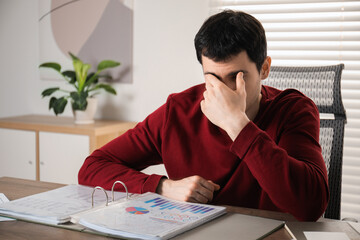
[[15, 188]]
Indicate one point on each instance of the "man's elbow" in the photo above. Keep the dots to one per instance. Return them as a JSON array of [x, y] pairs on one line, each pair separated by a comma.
[[314, 208], [83, 174]]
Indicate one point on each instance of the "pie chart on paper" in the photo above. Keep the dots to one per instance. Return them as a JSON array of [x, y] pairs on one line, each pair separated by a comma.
[[137, 210]]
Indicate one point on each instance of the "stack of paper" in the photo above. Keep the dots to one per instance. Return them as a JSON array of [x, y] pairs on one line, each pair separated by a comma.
[[55, 206]]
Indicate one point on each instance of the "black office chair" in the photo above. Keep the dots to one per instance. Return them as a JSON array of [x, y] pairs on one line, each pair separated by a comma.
[[322, 85]]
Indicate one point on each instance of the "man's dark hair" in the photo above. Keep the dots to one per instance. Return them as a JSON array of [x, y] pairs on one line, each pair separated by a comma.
[[227, 33]]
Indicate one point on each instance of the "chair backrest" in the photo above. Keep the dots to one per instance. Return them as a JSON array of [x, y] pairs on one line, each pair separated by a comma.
[[322, 85]]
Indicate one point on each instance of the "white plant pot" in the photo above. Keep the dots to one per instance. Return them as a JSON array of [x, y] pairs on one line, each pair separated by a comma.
[[87, 116]]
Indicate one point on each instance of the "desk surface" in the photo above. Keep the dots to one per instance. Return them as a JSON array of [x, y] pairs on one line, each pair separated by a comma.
[[15, 188]]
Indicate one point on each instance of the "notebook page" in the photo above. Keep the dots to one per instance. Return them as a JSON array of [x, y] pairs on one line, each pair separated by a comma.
[[56, 205]]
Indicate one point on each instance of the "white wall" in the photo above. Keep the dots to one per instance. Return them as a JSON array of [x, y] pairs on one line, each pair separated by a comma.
[[164, 59], [18, 56]]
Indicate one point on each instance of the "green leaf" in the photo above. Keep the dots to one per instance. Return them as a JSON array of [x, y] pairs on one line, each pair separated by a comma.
[[53, 65], [107, 64], [91, 78], [106, 87], [78, 96], [70, 74], [58, 105], [77, 67], [49, 91], [79, 101], [85, 68], [51, 102], [84, 72], [73, 57]]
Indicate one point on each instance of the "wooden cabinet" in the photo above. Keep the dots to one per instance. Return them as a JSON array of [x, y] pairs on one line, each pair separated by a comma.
[[61, 153], [50, 148], [20, 147]]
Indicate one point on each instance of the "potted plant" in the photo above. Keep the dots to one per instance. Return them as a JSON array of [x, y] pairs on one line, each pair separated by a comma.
[[85, 85]]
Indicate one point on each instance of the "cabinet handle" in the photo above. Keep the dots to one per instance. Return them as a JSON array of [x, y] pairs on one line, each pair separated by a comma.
[[30, 162], [41, 163]]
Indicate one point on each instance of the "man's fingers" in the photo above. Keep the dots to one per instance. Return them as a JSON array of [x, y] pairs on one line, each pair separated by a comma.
[[212, 84], [205, 93], [207, 188], [207, 184], [198, 198], [239, 80], [212, 81], [201, 190], [216, 186]]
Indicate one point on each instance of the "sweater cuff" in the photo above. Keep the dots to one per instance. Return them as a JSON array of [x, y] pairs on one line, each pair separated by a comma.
[[151, 183], [244, 140]]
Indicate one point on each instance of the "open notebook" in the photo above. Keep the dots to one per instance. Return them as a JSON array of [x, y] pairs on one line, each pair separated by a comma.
[[148, 216], [144, 216]]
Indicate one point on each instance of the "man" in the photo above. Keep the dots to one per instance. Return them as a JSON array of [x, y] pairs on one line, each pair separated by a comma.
[[229, 141]]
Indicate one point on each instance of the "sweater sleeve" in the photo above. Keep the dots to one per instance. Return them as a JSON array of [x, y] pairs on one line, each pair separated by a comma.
[[290, 169], [124, 157]]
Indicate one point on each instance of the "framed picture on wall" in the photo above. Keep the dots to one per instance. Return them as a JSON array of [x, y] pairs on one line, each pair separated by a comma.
[[93, 30]]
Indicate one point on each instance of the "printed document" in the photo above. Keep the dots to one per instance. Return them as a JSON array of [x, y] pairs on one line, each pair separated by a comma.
[[55, 206]]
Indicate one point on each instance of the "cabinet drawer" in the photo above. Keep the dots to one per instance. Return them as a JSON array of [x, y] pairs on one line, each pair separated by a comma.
[[17, 153], [61, 156]]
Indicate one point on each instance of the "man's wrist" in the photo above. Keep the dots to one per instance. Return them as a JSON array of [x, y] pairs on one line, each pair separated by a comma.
[[159, 188], [234, 131]]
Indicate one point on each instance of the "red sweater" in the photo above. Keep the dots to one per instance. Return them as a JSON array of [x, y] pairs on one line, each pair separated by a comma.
[[275, 163]]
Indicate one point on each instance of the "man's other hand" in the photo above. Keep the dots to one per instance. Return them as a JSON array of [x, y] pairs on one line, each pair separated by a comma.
[[191, 189]]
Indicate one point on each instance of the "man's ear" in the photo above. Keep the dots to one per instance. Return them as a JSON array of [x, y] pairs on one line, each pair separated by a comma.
[[265, 69]]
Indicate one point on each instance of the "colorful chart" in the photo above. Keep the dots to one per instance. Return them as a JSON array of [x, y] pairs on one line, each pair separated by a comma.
[[137, 210], [163, 204]]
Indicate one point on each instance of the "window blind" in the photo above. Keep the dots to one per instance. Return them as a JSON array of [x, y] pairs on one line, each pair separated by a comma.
[[312, 33]]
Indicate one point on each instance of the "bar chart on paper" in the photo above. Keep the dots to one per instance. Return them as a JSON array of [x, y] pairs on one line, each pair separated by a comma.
[[163, 204]]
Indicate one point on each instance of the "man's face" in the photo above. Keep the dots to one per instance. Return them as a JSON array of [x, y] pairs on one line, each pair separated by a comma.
[[227, 71]]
